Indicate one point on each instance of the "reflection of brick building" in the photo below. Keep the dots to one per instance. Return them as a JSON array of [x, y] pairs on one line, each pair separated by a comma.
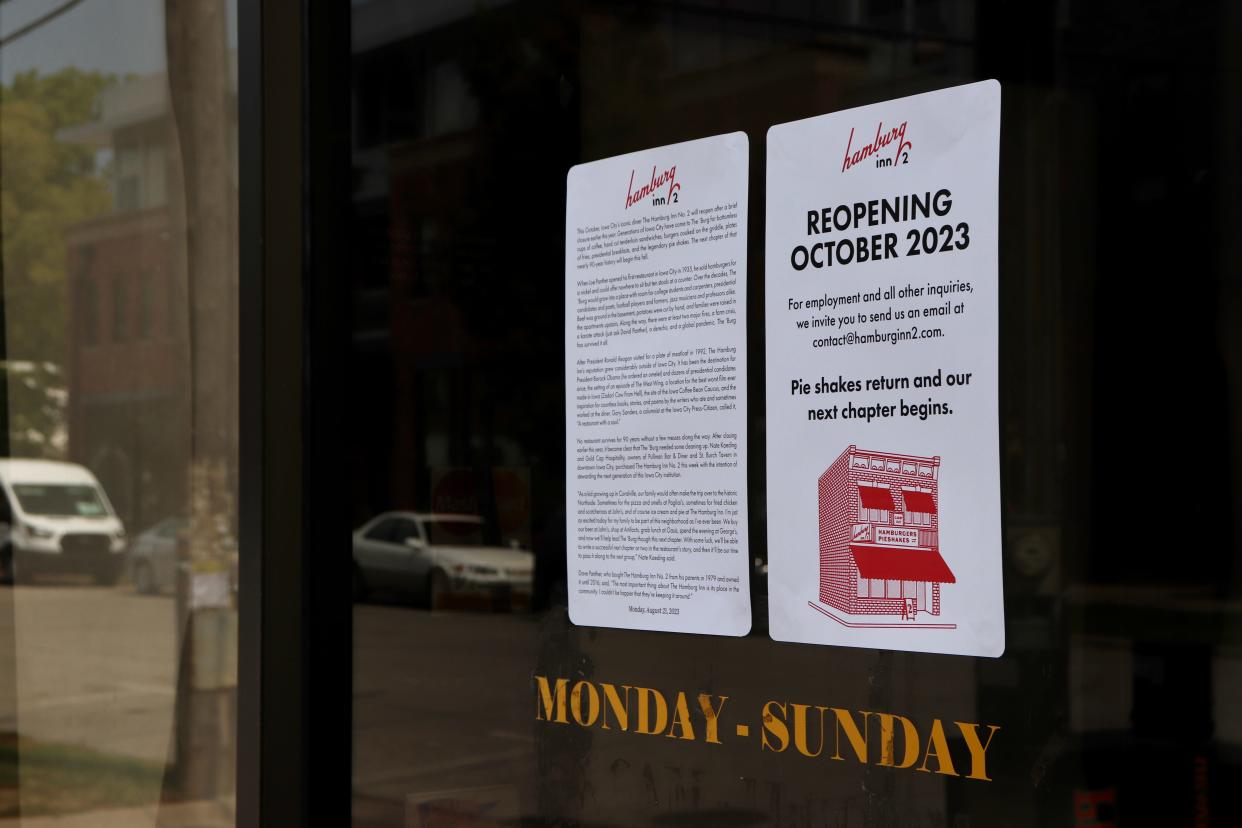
[[879, 547], [128, 349], [127, 400]]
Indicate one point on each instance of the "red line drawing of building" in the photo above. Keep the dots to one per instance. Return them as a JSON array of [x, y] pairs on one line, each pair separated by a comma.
[[879, 540]]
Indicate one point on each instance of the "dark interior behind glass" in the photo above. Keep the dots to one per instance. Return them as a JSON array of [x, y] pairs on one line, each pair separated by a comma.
[[1121, 435]]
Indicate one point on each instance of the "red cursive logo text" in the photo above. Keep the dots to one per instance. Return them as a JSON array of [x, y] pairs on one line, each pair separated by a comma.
[[883, 138], [668, 177]]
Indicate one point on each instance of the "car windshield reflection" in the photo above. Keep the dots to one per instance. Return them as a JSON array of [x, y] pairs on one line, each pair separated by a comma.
[[59, 500]]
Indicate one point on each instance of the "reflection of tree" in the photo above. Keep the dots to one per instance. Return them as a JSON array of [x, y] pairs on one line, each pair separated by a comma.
[[49, 186], [34, 395]]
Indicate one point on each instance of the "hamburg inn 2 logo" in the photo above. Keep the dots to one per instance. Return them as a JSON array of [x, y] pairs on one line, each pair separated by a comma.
[[888, 149], [662, 188]]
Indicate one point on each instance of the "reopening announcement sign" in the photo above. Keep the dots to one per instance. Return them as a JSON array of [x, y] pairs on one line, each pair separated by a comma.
[[881, 309]]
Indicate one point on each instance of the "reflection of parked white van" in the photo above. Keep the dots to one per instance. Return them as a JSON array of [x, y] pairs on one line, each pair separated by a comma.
[[56, 517]]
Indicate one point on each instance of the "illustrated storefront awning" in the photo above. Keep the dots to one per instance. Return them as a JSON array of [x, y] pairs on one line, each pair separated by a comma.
[[875, 497], [919, 502], [895, 563]]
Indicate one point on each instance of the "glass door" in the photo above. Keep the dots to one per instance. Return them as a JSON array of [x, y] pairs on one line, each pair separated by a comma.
[[477, 700]]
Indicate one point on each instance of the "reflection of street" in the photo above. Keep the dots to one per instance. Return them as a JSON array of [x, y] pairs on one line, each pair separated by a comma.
[[96, 667], [443, 702], [428, 714], [95, 679]]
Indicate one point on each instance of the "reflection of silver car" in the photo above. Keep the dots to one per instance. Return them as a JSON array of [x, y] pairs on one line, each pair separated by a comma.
[[152, 559], [433, 556]]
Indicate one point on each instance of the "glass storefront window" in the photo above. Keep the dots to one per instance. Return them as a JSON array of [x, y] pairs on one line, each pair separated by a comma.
[[118, 420], [401, 209], [1112, 702]]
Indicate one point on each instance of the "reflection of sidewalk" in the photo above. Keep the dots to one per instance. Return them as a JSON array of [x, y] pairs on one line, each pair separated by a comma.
[[96, 668], [178, 815]]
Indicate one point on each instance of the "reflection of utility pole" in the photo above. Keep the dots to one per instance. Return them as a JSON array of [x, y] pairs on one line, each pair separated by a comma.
[[199, 89], [198, 75]]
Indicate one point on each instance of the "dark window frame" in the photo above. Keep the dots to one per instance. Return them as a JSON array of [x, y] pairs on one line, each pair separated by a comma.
[[294, 643]]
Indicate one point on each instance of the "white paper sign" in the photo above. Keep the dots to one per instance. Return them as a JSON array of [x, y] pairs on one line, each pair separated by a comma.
[[655, 375], [881, 311]]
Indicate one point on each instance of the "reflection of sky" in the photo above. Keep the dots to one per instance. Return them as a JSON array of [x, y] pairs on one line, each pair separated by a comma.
[[113, 36]]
